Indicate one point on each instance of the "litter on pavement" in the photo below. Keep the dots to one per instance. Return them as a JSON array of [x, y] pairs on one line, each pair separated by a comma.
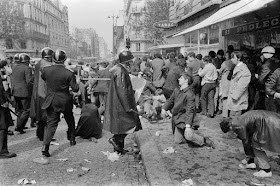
[[86, 170], [25, 181], [54, 143], [71, 170], [169, 150], [187, 182], [63, 159], [111, 156], [158, 133], [86, 160], [41, 160]]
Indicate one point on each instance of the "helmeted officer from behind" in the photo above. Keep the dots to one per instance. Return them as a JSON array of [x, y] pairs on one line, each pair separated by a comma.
[[22, 84], [120, 116], [58, 99], [39, 92]]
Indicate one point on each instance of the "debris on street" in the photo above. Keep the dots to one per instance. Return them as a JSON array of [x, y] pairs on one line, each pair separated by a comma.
[[71, 170], [169, 150], [86, 170], [25, 181], [41, 160], [187, 182], [111, 156], [54, 143], [158, 133], [86, 160], [63, 159]]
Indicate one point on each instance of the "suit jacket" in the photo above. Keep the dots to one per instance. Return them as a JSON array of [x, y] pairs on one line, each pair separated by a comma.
[[22, 81], [39, 92], [117, 118], [58, 80]]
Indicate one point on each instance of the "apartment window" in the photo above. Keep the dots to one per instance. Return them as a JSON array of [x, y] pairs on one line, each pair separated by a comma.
[[203, 36], [138, 47]]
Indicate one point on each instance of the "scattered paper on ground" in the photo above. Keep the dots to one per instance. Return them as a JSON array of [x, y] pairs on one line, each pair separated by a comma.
[[71, 170], [54, 143], [158, 133], [86, 160], [85, 169], [111, 156], [168, 150], [63, 159], [187, 182], [41, 160], [24, 181]]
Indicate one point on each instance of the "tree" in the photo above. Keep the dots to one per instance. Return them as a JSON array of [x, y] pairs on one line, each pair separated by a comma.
[[156, 10], [12, 24]]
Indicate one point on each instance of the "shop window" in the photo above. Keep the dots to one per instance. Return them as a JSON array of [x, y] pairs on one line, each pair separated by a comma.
[[194, 39], [203, 36], [187, 40], [213, 34], [138, 47]]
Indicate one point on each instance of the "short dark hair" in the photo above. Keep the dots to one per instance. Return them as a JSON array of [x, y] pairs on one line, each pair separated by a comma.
[[182, 62], [188, 77], [212, 54], [3, 63], [225, 125], [199, 56], [221, 52]]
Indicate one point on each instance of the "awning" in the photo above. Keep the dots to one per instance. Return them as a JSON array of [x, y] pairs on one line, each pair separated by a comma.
[[166, 46], [233, 10]]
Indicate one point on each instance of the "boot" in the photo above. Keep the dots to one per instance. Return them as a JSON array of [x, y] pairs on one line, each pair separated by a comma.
[[45, 150], [4, 153], [72, 142], [116, 145]]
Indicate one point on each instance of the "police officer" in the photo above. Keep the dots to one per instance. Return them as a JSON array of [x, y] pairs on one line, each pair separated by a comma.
[[39, 92], [120, 117], [22, 84], [58, 99]]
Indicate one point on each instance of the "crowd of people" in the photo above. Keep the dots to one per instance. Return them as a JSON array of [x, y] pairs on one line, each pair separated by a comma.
[[231, 84]]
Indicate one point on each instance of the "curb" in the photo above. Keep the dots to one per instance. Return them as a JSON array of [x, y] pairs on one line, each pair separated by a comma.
[[157, 174]]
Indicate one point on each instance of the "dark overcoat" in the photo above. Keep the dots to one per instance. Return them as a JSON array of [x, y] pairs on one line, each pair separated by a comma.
[[102, 85], [261, 128], [22, 81], [58, 80], [39, 92], [5, 115], [117, 118]]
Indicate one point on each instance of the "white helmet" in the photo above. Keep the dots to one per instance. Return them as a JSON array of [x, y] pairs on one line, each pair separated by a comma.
[[268, 52]]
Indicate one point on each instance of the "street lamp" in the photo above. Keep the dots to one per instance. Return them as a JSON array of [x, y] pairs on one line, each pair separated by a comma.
[[114, 18]]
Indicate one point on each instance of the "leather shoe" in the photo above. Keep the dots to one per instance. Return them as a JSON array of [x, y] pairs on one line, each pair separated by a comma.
[[45, 150], [209, 143], [7, 155], [10, 132], [20, 131], [115, 145], [72, 142]]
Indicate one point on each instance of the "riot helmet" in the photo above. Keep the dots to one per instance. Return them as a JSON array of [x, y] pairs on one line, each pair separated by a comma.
[[47, 53], [125, 56], [59, 56], [24, 58], [268, 52], [16, 58]]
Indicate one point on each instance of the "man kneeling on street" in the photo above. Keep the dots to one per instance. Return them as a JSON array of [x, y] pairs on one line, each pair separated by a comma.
[[182, 103], [259, 130]]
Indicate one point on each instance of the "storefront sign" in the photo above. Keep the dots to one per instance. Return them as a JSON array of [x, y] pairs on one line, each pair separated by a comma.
[[259, 25], [165, 24]]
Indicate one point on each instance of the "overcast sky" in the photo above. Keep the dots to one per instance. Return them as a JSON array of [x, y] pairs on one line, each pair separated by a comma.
[[93, 14]]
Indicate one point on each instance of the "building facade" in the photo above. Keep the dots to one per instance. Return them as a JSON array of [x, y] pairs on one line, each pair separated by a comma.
[[134, 14], [46, 24], [205, 25]]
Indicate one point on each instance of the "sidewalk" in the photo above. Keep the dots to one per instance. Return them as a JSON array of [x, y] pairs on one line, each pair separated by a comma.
[[203, 165]]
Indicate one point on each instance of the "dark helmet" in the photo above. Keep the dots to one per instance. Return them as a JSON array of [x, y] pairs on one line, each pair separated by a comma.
[[125, 56], [47, 53], [16, 57], [24, 58], [59, 56]]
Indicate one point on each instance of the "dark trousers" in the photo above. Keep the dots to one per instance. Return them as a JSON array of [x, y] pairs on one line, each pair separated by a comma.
[[197, 89], [40, 129], [3, 141], [207, 98], [53, 119], [23, 106]]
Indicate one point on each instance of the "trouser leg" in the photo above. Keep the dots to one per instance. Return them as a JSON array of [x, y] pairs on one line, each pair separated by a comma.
[[4, 141], [179, 136], [53, 119], [40, 129], [225, 109], [261, 159], [204, 99], [69, 118], [191, 136], [210, 101], [216, 97], [24, 114]]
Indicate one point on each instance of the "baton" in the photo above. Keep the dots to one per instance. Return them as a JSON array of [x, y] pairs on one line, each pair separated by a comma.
[[12, 111]]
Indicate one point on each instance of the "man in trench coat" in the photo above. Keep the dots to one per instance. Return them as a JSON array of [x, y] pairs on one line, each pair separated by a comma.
[[120, 116], [39, 92]]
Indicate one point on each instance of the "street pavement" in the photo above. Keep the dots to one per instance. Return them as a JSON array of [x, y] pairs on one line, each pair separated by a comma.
[[204, 166], [127, 171]]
